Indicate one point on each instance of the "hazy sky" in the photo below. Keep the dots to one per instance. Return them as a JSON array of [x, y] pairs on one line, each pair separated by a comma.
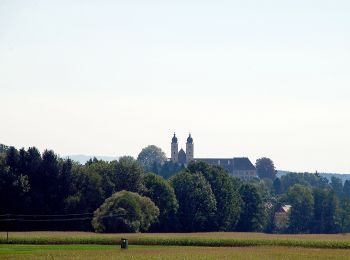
[[247, 78]]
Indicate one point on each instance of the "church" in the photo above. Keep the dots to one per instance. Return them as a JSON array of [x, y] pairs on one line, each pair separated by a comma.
[[240, 167]]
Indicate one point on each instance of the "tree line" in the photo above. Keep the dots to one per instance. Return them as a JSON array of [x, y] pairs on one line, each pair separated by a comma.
[[45, 192]]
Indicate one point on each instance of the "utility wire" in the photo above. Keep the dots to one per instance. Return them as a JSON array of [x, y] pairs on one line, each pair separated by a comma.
[[42, 215]]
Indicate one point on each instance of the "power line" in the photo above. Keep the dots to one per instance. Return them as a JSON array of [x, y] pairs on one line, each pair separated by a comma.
[[43, 220], [61, 219], [43, 215]]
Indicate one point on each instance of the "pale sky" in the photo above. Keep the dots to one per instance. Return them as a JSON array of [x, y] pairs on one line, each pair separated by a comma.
[[247, 78]]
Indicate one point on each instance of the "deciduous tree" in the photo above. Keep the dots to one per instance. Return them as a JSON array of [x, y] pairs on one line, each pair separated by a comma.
[[197, 204]]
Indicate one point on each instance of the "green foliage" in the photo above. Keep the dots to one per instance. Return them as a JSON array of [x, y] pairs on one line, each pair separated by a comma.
[[305, 179], [199, 198], [167, 169], [346, 189], [265, 168], [252, 216], [87, 193], [125, 211], [150, 156], [3, 148], [226, 194], [337, 186], [301, 214], [277, 186], [163, 195], [128, 175], [197, 204], [326, 212], [344, 215]]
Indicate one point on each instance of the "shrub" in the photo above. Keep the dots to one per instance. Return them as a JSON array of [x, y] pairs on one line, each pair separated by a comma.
[[125, 211]]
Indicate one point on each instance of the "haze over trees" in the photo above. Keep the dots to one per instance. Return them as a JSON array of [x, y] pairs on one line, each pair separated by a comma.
[[45, 192], [265, 168], [151, 157]]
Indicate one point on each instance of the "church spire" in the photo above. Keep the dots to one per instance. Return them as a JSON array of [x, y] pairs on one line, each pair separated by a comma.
[[174, 149], [189, 148]]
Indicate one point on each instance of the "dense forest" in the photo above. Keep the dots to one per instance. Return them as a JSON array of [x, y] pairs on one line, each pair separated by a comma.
[[45, 192]]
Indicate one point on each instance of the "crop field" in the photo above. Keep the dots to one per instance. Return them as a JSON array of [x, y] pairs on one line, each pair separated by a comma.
[[85, 245], [215, 239]]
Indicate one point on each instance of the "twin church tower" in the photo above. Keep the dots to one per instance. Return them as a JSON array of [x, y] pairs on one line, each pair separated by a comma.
[[181, 156]]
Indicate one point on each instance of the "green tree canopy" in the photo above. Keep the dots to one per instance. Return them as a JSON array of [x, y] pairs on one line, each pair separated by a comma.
[[128, 175], [346, 189], [150, 157], [326, 211], [252, 217], [226, 194], [306, 179], [197, 204], [265, 168], [125, 211], [337, 186], [162, 194], [301, 214], [344, 215]]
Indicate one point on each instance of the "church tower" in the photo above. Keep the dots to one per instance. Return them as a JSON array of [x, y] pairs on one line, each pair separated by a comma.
[[174, 150], [189, 149]]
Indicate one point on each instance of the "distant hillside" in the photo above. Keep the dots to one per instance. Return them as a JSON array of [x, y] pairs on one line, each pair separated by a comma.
[[342, 176], [81, 158]]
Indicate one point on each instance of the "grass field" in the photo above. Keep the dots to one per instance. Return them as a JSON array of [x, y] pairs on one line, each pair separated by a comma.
[[218, 245], [78, 252]]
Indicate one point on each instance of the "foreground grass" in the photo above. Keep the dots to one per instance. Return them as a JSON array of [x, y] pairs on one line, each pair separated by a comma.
[[102, 252], [218, 239], [164, 252]]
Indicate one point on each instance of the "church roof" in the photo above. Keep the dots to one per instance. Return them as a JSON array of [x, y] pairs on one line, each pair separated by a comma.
[[182, 156], [230, 164], [242, 163], [189, 139], [174, 139]]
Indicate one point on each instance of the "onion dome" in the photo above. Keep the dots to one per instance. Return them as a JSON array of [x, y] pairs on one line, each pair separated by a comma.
[[189, 139], [174, 139]]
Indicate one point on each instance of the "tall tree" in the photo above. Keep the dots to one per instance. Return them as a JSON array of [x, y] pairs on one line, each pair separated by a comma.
[[226, 194], [168, 169], [344, 217], [12, 159], [252, 209], [197, 204], [49, 181], [277, 186], [265, 168], [163, 195], [150, 157], [337, 186], [128, 175], [326, 211], [346, 189], [13, 189], [301, 214]]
